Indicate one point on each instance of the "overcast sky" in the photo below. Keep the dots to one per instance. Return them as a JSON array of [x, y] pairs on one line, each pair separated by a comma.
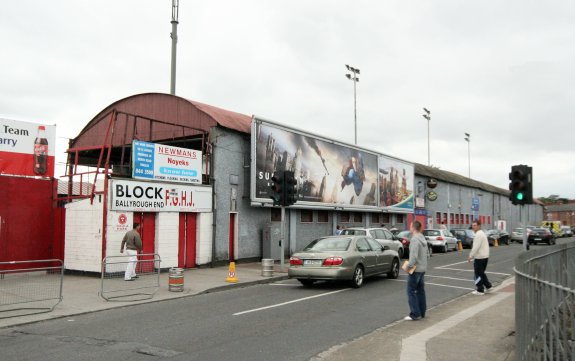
[[503, 71]]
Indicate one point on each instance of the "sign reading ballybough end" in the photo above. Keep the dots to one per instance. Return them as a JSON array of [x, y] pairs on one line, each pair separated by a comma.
[[160, 162]]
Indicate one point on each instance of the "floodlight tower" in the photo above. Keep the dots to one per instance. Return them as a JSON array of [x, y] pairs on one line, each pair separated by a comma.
[[353, 77], [174, 36]]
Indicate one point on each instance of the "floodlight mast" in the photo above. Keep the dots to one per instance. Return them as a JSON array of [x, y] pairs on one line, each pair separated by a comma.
[[174, 36]]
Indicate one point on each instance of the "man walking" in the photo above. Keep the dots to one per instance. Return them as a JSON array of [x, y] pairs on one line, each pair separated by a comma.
[[480, 256], [415, 280], [133, 244]]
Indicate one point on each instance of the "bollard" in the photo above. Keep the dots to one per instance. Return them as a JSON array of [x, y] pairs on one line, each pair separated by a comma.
[[176, 280], [459, 245], [267, 267], [496, 243]]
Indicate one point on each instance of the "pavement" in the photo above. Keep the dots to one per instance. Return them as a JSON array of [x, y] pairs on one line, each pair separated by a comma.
[[471, 328]]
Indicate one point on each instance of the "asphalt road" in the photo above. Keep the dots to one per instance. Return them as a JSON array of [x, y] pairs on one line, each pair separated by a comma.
[[281, 321]]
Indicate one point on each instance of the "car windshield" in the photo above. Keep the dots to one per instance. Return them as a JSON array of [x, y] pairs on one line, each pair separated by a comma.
[[353, 232], [431, 232], [329, 244]]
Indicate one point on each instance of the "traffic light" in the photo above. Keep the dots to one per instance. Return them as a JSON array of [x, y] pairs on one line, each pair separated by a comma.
[[277, 190], [290, 188], [521, 185]]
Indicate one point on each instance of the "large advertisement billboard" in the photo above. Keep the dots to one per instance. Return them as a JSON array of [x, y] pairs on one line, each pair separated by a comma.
[[161, 162], [328, 174], [396, 182], [27, 149]]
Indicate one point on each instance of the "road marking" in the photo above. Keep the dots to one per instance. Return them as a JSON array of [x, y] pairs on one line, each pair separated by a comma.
[[414, 346], [289, 302], [453, 264], [439, 284], [470, 270], [450, 278], [285, 284]]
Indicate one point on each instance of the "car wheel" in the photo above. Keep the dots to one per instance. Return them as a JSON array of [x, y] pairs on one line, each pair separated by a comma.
[[306, 282], [430, 250], [444, 248], [394, 273], [357, 280]]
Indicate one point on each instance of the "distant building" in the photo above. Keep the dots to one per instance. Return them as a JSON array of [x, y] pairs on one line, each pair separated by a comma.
[[561, 212]]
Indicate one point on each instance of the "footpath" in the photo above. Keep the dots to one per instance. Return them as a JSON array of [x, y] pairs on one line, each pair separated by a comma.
[[471, 328]]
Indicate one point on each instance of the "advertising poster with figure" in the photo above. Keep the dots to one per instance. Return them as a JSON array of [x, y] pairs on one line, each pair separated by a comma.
[[327, 173], [396, 182]]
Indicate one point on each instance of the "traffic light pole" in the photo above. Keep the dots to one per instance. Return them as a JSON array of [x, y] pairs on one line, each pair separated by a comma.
[[524, 220], [282, 238]]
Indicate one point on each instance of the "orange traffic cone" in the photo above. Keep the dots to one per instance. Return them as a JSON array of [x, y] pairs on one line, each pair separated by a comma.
[[496, 243], [232, 273], [459, 246]]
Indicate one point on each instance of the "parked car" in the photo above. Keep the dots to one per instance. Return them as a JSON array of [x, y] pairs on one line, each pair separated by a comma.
[[346, 258], [405, 238], [567, 231], [381, 235], [464, 235], [502, 237], [441, 239], [517, 235], [538, 235]]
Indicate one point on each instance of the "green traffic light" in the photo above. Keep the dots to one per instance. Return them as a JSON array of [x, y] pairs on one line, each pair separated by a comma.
[[519, 196]]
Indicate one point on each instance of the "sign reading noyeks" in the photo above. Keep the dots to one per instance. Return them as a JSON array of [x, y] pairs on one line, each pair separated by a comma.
[[157, 197], [166, 163], [27, 149]]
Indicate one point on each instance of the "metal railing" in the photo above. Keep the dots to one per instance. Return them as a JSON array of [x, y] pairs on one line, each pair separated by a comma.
[[30, 287], [545, 304], [115, 288]]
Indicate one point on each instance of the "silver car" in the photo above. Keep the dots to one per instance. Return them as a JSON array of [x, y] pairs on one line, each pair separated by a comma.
[[381, 235], [441, 239], [347, 258]]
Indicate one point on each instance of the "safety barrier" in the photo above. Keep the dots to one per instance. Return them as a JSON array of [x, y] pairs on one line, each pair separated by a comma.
[[545, 304], [30, 287], [114, 286]]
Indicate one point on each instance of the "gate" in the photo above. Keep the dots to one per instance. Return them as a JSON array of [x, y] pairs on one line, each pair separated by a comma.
[[115, 288], [30, 287]]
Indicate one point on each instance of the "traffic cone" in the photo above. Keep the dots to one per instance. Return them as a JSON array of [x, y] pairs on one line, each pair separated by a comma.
[[459, 246], [496, 243], [232, 273]]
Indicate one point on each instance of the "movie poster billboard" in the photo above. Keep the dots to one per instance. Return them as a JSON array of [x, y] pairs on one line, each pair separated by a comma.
[[328, 174], [396, 184]]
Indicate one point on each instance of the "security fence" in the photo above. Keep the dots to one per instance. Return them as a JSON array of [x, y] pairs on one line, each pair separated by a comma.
[[30, 287], [545, 304], [116, 287]]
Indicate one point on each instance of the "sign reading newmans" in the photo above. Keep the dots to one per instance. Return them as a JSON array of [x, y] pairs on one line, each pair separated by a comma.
[[160, 162], [158, 197], [328, 174], [27, 149]]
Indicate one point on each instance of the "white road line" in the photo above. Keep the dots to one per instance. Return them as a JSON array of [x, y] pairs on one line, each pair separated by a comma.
[[285, 284], [414, 346], [288, 302], [453, 264], [450, 278], [470, 270], [439, 284]]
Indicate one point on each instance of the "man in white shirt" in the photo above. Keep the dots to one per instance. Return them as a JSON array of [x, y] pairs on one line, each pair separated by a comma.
[[480, 256]]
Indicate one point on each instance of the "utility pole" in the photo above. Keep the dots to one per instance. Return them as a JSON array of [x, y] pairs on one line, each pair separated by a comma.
[[174, 36]]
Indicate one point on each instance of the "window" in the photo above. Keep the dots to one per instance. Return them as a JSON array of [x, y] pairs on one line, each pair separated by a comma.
[[488, 219], [387, 234], [399, 218], [444, 219], [358, 217], [362, 245], [344, 217], [306, 216], [385, 217], [375, 245], [467, 219], [322, 217], [377, 234], [375, 218], [276, 214], [438, 217], [457, 219], [451, 218]]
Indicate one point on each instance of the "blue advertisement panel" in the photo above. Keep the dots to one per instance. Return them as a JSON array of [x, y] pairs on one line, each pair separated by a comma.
[[161, 162]]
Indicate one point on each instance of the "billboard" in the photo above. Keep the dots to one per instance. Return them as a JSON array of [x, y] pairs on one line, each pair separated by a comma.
[[396, 185], [160, 162], [135, 196], [27, 149], [328, 174]]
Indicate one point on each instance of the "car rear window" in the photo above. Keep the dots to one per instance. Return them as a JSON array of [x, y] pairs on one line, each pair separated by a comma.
[[431, 233], [329, 244], [353, 232]]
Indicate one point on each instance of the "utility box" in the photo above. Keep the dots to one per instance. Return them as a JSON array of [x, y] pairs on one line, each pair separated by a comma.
[[271, 248]]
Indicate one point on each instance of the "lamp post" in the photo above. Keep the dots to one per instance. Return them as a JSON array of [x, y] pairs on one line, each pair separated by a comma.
[[355, 79], [427, 116], [468, 140]]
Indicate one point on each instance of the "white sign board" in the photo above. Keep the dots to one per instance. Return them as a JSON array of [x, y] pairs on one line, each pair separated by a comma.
[[165, 163], [129, 195]]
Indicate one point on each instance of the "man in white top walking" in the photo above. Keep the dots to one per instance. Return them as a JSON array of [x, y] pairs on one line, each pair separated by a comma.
[[480, 256]]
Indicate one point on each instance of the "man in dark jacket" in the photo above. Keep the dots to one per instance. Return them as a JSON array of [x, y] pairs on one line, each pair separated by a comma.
[[133, 244]]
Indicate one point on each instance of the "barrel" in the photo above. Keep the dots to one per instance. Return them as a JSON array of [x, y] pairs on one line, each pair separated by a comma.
[[176, 280], [267, 267]]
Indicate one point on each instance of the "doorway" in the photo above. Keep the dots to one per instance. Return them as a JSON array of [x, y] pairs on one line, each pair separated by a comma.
[[187, 240]]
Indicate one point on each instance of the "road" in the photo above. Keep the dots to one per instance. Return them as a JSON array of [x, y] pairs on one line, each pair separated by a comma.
[[280, 321]]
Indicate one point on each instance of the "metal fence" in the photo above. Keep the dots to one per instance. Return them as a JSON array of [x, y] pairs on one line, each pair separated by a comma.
[[115, 288], [30, 287], [545, 304]]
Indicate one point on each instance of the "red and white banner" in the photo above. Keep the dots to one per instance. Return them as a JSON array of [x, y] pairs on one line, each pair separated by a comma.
[[27, 148]]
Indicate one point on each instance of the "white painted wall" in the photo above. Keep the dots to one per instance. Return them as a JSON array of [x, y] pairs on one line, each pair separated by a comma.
[[167, 234], [204, 239], [83, 238]]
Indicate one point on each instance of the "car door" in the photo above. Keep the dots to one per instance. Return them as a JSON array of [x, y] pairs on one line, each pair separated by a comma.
[[394, 244], [366, 255], [450, 240], [382, 257], [380, 236]]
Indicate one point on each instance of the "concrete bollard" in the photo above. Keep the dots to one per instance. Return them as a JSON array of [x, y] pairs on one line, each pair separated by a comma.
[[267, 267], [176, 280]]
